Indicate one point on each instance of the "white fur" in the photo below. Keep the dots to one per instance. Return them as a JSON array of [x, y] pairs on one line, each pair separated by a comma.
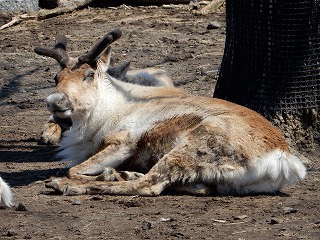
[[149, 77], [266, 175], [6, 198]]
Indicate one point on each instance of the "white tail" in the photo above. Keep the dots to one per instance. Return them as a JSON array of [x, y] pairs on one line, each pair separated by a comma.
[[162, 137], [267, 174], [6, 198]]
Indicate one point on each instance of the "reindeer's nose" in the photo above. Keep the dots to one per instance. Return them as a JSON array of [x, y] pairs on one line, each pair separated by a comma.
[[58, 103]]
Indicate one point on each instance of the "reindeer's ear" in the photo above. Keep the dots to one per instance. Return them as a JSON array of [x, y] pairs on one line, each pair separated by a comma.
[[104, 60], [106, 56], [120, 71], [112, 62]]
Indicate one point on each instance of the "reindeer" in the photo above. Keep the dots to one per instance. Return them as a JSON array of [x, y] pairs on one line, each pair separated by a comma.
[[5, 194], [146, 77], [128, 139], [54, 128]]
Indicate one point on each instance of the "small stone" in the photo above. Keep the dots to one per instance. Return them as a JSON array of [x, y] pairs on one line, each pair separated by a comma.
[[21, 207], [194, 5], [22, 90], [274, 221], [240, 217], [28, 236], [146, 225], [77, 202], [288, 210], [213, 25], [166, 219], [11, 232], [97, 198]]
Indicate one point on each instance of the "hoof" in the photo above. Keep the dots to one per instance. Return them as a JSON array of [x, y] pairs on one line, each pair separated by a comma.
[[54, 183], [65, 186], [130, 175], [109, 175], [51, 134]]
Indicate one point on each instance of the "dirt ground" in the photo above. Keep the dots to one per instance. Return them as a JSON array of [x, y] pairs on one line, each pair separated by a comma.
[[172, 38]]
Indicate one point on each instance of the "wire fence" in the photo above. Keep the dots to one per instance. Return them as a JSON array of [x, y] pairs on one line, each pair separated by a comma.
[[271, 60]]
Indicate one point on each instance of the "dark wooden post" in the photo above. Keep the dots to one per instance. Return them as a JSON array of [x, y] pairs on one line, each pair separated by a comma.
[[271, 63]]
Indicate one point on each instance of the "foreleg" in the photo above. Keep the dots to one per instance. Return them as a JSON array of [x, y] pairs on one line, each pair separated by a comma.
[[115, 150], [167, 172], [150, 184], [51, 133]]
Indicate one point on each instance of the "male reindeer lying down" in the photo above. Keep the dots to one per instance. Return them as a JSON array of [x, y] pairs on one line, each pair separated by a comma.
[[153, 138], [55, 127]]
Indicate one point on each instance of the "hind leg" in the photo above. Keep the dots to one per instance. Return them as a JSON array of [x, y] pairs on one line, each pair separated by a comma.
[[198, 189]]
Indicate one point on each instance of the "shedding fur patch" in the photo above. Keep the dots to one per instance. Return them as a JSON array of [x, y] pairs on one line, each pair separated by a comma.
[[161, 138]]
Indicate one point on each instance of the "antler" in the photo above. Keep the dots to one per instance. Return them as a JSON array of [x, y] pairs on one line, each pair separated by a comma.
[[58, 52], [96, 50]]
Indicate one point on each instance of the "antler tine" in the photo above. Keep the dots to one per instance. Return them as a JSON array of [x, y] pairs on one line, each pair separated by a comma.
[[61, 42], [104, 42], [58, 53]]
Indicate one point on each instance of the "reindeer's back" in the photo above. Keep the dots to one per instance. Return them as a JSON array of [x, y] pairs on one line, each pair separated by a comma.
[[236, 127], [243, 128]]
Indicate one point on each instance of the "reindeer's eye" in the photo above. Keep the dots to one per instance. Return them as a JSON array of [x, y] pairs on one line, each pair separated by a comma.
[[90, 76]]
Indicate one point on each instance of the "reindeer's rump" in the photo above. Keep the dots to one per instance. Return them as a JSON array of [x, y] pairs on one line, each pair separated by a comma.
[[207, 157]]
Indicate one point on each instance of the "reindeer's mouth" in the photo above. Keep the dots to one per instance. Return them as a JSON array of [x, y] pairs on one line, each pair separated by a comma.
[[63, 113], [59, 105]]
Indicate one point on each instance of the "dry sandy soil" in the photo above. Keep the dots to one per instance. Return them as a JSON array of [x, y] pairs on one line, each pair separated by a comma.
[[170, 38]]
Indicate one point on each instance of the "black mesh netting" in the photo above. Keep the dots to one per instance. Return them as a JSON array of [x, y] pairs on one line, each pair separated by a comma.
[[271, 60]]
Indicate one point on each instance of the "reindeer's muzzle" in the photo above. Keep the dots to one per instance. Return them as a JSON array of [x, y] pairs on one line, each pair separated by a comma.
[[59, 105]]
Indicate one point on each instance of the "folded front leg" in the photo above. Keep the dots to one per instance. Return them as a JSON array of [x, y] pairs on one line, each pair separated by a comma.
[[144, 186], [115, 150], [150, 184], [51, 133]]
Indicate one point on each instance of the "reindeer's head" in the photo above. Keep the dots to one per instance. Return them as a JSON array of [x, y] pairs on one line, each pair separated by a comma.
[[76, 85], [74, 88]]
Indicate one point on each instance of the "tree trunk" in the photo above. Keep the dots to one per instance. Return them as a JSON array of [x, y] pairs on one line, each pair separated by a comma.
[[271, 63]]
